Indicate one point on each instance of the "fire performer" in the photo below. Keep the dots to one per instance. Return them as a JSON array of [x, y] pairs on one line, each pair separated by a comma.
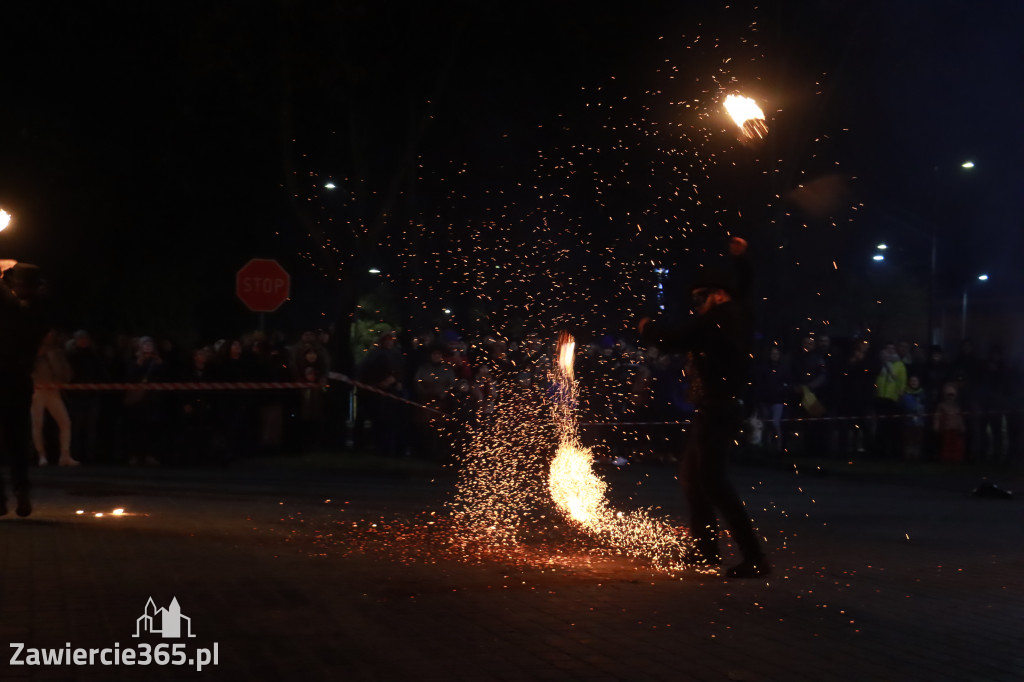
[[23, 325], [718, 339]]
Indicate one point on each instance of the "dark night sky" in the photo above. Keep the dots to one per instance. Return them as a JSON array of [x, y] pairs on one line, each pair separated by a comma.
[[145, 149]]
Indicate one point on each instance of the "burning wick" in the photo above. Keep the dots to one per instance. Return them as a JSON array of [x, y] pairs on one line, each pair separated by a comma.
[[747, 115]]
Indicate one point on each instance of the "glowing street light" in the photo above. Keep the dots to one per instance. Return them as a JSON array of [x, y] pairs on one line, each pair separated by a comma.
[[374, 271], [329, 185], [882, 247], [5, 219], [963, 310], [967, 164], [878, 257]]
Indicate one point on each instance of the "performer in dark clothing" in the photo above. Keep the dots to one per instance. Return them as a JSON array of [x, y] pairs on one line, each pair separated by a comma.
[[719, 339], [22, 328]]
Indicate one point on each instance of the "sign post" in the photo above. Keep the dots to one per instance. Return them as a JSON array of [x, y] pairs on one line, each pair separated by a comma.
[[262, 285]]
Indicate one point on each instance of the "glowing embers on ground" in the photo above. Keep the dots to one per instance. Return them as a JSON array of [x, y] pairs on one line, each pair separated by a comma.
[[117, 512], [580, 494]]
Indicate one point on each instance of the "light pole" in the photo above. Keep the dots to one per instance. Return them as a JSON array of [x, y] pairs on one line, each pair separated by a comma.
[[966, 165], [963, 309]]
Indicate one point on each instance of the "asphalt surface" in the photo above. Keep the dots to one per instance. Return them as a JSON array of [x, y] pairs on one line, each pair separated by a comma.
[[282, 571]]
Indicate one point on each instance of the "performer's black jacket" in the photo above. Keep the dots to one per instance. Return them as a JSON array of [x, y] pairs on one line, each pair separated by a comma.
[[23, 324], [718, 341]]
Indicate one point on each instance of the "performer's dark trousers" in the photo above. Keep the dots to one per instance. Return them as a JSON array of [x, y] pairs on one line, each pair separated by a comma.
[[15, 442], [702, 472]]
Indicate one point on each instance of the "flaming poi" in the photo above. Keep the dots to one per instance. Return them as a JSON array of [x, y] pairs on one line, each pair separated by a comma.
[[747, 115]]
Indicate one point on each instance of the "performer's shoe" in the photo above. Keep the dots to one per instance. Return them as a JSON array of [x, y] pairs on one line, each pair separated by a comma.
[[24, 507], [68, 462], [754, 567]]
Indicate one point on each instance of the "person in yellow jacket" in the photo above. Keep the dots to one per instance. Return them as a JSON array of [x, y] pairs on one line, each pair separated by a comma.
[[890, 385]]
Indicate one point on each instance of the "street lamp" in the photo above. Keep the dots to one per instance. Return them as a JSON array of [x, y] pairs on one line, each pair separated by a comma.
[[963, 308], [5, 219]]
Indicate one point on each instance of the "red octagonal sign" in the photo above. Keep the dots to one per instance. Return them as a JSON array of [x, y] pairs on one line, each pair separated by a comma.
[[263, 285]]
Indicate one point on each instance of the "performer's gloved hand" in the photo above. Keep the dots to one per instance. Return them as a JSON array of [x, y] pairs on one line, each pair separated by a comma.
[[641, 324], [737, 246]]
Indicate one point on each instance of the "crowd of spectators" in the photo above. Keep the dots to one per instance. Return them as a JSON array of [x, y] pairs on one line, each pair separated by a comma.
[[151, 427], [816, 398], [896, 401]]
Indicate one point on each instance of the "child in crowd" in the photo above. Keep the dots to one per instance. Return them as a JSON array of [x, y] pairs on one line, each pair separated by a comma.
[[949, 423], [912, 402]]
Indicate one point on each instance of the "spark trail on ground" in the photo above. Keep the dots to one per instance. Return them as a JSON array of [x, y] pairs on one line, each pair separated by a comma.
[[581, 495]]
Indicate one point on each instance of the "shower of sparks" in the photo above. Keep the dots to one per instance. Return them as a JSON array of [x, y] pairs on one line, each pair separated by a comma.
[[580, 494], [503, 249], [747, 115], [499, 497]]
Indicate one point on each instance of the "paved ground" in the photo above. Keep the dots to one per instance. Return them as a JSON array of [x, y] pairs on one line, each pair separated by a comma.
[[874, 580]]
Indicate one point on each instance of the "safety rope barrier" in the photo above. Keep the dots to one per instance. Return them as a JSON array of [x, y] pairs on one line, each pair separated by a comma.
[[337, 376], [227, 386], [793, 420], [179, 386]]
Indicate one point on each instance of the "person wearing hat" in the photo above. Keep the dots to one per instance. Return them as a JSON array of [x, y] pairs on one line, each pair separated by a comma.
[[718, 339], [23, 324]]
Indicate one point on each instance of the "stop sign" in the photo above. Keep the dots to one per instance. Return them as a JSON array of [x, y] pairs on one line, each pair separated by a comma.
[[263, 285]]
